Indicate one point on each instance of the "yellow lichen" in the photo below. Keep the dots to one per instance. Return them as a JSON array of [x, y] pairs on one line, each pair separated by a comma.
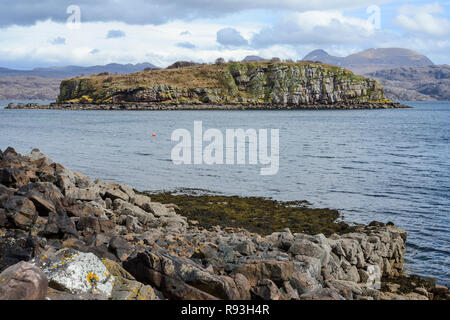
[[92, 278], [3, 280]]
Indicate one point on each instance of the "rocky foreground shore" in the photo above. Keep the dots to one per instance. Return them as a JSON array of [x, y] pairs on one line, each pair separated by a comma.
[[64, 236]]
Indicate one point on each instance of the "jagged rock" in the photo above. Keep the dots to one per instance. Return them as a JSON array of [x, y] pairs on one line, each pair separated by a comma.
[[120, 247], [157, 209], [53, 294], [83, 210], [266, 290], [116, 193], [129, 209], [12, 177], [322, 294], [255, 270], [142, 201], [87, 194], [19, 246], [95, 224], [75, 272], [246, 248], [346, 289], [59, 225], [307, 248], [23, 281], [126, 287], [21, 211], [243, 286], [303, 282], [179, 278], [311, 265], [36, 154], [289, 292], [408, 296]]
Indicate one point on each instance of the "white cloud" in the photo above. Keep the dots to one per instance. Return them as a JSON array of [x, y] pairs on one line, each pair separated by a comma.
[[143, 12], [314, 27], [160, 45], [423, 19], [231, 37]]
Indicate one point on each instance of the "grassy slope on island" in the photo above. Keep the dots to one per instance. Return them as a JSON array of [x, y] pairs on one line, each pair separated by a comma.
[[251, 82]]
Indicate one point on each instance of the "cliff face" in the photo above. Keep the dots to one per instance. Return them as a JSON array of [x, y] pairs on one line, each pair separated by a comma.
[[233, 83]]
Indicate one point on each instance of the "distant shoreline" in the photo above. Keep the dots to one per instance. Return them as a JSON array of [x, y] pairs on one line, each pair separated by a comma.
[[192, 107]]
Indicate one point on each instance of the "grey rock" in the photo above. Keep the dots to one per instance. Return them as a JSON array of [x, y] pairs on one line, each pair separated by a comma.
[[23, 281]]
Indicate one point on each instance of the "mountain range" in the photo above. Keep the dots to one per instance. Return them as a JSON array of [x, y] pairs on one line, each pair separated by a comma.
[[372, 60], [415, 83], [73, 71], [405, 74]]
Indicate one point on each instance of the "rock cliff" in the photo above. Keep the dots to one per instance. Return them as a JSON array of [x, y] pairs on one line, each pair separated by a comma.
[[299, 84]]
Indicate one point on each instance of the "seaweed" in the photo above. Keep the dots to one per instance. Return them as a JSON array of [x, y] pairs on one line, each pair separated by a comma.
[[256, 214]]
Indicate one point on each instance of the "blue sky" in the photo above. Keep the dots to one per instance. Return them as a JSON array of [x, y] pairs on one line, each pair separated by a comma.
[[36, 33]]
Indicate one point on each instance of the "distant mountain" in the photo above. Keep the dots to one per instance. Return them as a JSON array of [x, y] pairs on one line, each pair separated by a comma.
[[252, 59], [73, 71], [27, 88], [372, 60], [415, 83]]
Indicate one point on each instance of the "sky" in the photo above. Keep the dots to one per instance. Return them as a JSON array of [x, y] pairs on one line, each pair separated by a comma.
[[85, 32]]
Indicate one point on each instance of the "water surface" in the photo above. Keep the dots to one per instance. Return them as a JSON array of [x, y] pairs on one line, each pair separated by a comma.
[[385, 165]]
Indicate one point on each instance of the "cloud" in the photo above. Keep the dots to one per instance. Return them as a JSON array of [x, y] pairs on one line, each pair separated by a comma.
[[185, 33], [423, 19], [58, 40], [115, 34], [186, 45], [230, 37], [28, 12], [314, 27], [94, 51]]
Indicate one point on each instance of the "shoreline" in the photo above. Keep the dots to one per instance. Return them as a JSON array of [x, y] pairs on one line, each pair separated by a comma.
[[57, 217], [141, 106]]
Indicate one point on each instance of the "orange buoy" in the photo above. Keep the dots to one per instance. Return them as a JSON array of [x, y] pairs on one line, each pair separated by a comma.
[[154, 134]]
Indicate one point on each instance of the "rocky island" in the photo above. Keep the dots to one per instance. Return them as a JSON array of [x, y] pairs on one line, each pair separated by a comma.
[[234, 85], [64, 236]]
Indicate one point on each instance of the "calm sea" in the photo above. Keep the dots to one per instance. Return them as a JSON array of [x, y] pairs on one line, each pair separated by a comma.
[[385, 165]]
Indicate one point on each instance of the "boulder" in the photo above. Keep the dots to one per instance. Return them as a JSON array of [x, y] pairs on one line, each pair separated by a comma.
[[60, 226], [23, 281], [275, 270], [179, 278], [84, 194], [266, 290], [19, 246], [36, 154], [120, 247], [76, 272], [243, 286], [95, 224], [21, 211], [307, 248], [128, 209], [13, 178], [322, 294], [126, 287], [303, 282]]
